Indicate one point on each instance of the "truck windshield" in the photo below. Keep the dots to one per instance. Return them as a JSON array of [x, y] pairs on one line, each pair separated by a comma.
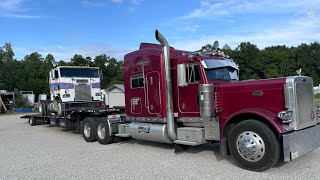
[[223, 73], [73, 72]]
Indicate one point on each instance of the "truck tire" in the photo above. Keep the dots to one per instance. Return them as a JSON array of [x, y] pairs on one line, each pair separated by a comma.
[[42, 108], [254, 145], [88, 129], [103, 131], [32, 121], [60, 108]]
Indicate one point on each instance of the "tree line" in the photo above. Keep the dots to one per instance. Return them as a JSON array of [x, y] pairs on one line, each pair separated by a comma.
[[31, 72], [276, 61]]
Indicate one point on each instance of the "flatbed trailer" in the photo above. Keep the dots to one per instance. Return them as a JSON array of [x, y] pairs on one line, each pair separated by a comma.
[[74, 118]]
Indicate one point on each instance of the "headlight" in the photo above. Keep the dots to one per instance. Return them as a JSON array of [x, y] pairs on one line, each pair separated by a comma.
[[286, 116], [65, 95]]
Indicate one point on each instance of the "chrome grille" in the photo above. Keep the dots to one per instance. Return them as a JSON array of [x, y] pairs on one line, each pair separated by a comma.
[[82, 92], [305, 107], [299, 99], [82, 81]]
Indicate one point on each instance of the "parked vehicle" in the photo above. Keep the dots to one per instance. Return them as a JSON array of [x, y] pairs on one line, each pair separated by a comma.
[[191, 98]]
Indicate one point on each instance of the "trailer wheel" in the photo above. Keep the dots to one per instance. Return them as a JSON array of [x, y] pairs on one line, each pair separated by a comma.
[[103, 132], [88, 129], [32, 121], [254, 145]]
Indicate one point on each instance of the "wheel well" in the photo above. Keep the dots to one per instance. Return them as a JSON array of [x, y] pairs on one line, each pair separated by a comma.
[[235, 120]]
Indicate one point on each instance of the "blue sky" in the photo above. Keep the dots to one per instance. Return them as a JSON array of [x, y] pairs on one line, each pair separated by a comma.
[[116, 27]]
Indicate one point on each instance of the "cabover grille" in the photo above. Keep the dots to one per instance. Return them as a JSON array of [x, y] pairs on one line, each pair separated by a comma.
[[299, 99], [82, 92], [82, 81]]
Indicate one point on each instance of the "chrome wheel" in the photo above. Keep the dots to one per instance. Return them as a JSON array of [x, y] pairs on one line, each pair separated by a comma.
[[87, 129], [101, 131], [250, 146]]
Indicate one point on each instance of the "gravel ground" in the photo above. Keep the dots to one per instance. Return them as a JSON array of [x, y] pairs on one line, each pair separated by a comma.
[[44, 152]]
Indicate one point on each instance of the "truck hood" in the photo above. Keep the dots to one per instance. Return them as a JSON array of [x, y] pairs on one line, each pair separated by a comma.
[[264, 94]]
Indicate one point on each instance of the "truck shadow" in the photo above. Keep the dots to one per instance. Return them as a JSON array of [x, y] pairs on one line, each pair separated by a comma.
[[212, 147]]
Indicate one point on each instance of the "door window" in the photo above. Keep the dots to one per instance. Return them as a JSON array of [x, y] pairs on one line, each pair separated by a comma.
[[192, 73]]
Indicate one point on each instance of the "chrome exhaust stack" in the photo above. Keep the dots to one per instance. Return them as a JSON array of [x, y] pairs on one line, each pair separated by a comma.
[[168, 85]]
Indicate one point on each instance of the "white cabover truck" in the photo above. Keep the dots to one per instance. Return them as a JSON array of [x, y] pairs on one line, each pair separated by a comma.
[[75, 94], [72, 87]]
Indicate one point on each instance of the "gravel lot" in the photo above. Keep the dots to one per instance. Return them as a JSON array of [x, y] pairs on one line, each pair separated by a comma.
[[44, 152]]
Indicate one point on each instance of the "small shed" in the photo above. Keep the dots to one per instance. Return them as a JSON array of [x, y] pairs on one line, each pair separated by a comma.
[[113, 96]]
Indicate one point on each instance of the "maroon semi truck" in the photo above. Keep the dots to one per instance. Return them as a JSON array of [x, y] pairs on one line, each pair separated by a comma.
[[192, 98]]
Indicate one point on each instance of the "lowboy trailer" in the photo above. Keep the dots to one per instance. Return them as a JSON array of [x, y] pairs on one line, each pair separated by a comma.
[[191, 98]]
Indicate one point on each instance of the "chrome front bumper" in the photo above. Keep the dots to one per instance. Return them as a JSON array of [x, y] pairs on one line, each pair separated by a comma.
[[298, 143]]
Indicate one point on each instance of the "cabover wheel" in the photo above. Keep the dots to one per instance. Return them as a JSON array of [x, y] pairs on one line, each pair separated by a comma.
[[88, 129], [254, 145], [42, 108], [32, 121], [60, 108], [103, 131]]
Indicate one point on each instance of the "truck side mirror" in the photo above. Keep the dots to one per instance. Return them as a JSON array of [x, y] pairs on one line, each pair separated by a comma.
[[182, 78]]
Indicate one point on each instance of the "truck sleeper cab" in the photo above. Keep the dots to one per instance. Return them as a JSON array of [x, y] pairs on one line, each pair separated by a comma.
[[191, 98]]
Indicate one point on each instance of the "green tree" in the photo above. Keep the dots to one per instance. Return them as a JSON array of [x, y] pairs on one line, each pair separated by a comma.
[[78, 60], [247, 55]]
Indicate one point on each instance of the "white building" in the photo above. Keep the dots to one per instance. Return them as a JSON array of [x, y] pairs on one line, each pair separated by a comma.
[[316, 89], [113, 96]]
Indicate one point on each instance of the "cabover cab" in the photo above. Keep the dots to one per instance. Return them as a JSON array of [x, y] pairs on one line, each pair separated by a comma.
[[191, 98], [75, 83], [73, 88]]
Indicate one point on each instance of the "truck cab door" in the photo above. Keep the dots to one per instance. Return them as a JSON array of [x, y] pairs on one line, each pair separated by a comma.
[[153, 92], [188, 94]]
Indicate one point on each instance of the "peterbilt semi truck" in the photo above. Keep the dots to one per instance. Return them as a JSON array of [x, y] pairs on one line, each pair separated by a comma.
[[192, 98]]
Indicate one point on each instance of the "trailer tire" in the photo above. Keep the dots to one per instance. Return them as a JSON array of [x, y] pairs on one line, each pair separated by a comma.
[[32, 121], [88, 129], [103, 132], [254, 145]]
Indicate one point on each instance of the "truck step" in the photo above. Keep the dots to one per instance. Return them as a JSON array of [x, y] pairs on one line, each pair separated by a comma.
[[191, 136], [189, 143], [122, 135]]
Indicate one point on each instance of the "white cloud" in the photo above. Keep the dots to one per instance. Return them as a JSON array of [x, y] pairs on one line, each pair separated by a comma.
[[304, 29], [66, 53], [11, 4], [90, 3], [117, 1], [20, 16], [17, 9], [218, 8], [136, 1], [59, 46]]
